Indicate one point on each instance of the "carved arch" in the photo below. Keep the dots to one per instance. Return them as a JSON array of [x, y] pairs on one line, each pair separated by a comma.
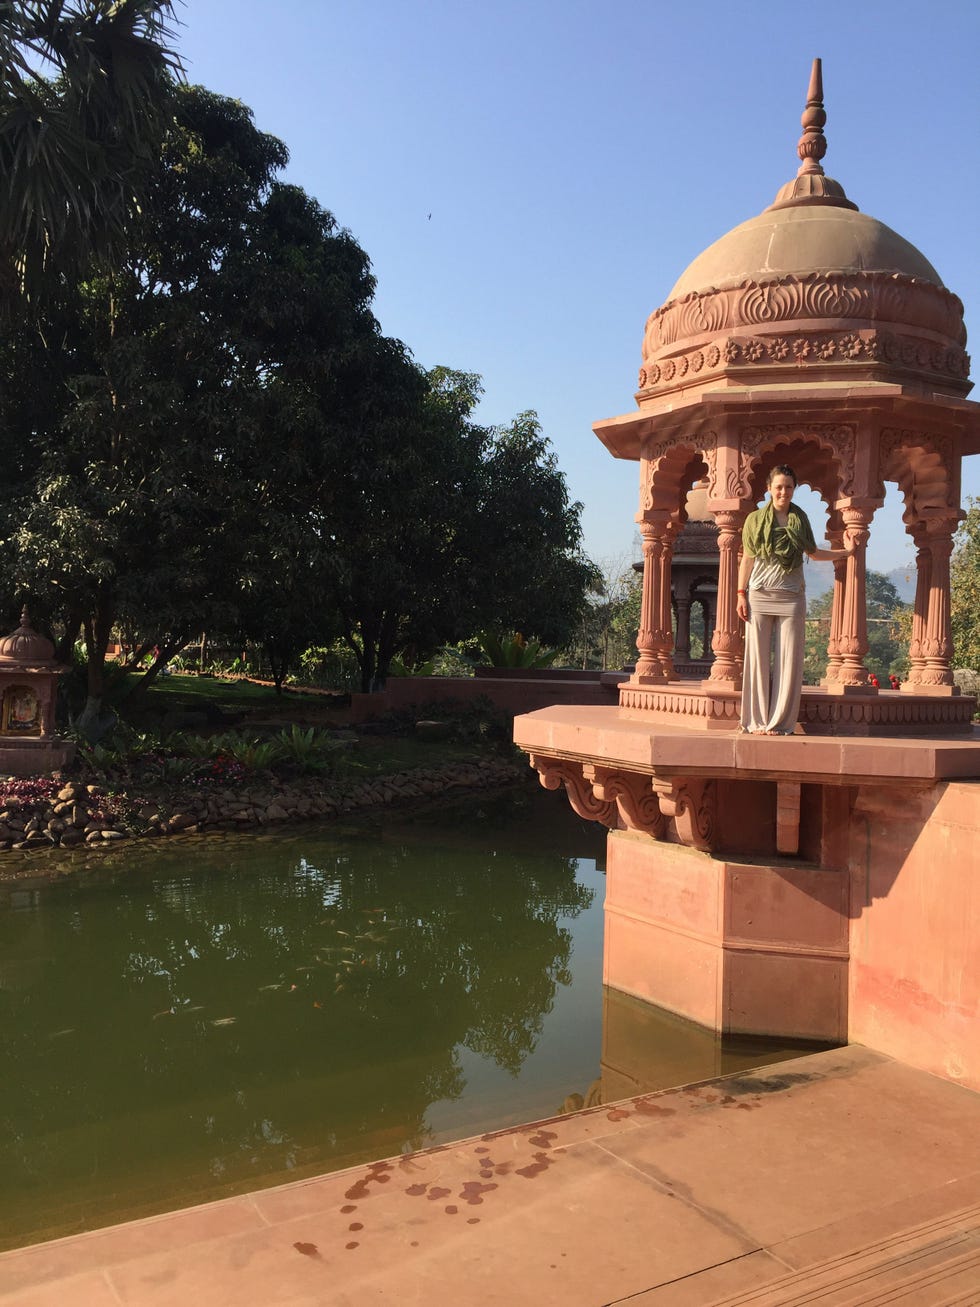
[[822, 454], [920, 463], [670, 467]]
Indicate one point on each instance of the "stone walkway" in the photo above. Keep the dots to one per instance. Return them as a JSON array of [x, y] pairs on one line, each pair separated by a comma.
[[840, 1178]]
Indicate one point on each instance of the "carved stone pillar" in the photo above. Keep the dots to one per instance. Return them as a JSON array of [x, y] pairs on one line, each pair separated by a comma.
[[708, 610], [665, 652], [653, 525], [920, 612], [937, 644], [728, 642], [836, 610], [682, 645], [853, 639]]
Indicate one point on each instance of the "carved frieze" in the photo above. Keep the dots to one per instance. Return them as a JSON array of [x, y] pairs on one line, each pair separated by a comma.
[[804, 349], [869, 297]]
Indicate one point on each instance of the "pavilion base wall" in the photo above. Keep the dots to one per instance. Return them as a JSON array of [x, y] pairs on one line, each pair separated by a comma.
[[914, 983], [870, 937], [741, 947]]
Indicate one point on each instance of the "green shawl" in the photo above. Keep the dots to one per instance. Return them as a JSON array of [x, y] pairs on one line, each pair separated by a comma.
[[762, 539]]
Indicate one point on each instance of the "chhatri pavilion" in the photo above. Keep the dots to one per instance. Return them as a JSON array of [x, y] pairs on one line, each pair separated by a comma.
[[822, 885]]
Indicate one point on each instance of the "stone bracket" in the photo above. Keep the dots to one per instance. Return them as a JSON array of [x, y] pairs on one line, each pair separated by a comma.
[[633, 793], [692, 805], [553, 772], [636, 801]]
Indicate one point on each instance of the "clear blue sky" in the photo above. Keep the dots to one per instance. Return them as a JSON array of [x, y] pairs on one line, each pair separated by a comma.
[[575, 156]]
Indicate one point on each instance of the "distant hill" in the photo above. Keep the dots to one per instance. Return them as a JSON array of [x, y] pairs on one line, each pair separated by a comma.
[[820, 578], [903, 579]]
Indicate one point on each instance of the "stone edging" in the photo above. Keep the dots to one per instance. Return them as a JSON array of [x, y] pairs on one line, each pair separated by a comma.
[[95, 815]]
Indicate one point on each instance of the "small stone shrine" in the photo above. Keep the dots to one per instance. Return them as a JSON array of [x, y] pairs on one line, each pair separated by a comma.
[[29, 677]]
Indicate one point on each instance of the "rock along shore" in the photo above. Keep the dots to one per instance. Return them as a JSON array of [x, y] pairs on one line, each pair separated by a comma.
[[99, 815]]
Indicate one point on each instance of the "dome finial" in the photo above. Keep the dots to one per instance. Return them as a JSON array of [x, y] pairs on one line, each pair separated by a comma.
[[812, 145], [810, 185]]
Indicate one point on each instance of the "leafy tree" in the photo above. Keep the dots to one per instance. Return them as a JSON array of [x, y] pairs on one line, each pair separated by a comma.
[[84, 105], [443, 528], [608, 627], [965, 590], [528, 537], [150, 442], [887, 649], [216, 436]]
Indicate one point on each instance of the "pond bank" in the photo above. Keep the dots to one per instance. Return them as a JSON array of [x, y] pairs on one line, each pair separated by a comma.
[[808, 1198], [99, 815]]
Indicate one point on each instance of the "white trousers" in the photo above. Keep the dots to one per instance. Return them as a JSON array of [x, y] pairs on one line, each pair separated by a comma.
[[772, 677]]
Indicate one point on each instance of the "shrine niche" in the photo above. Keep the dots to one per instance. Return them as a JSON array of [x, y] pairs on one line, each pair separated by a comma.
[[21, 711], [29, 675]]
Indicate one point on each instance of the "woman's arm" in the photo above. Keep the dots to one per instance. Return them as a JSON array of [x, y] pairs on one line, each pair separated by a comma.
[[745, 566], [831, 555]]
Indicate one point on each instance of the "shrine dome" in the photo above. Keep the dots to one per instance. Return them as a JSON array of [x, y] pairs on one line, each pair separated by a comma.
[[797, 239], [25, 645], [811, 282]]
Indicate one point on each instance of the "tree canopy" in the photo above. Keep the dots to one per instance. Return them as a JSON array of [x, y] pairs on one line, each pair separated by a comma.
[[887, 638], [84, 107], [210, 431], [965, 590]]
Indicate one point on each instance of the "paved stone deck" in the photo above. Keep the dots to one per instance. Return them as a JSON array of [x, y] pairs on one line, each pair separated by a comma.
[[839, 1178]]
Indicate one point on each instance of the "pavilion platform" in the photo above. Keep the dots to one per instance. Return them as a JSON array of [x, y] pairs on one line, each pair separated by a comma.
[[842, 1177]]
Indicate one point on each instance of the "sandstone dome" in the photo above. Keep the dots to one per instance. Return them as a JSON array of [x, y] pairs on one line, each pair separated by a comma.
[[810, 283], [25, 645], [794, 240]]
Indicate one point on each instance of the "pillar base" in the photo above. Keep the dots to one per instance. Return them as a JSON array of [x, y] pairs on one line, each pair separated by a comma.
[[837, 687]]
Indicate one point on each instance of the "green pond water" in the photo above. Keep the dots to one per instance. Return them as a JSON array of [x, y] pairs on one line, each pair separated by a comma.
[[188, 1019]]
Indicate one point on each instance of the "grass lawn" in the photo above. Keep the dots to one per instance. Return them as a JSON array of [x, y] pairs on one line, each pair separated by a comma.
[[168, 691], [373, 755]]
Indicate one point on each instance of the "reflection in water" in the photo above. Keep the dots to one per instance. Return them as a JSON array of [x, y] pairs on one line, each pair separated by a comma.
[[646, 1049], [208, 1016], [235, 1013]]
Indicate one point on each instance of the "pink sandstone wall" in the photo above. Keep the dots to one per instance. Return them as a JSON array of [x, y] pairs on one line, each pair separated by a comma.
[[879, 946], [915, 926], [741, 947]]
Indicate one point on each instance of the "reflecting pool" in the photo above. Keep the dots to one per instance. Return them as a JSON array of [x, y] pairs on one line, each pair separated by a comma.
[[197, 1017]]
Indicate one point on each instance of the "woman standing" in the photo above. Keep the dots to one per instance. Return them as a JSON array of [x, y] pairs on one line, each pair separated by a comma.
[[772, 604]]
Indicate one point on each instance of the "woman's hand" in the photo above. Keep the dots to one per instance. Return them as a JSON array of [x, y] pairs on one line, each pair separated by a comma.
[[742, 607]]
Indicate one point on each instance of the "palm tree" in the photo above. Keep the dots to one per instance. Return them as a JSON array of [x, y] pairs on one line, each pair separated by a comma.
[[84, 102]]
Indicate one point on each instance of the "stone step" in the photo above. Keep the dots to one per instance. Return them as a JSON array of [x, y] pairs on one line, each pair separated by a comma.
[[936, 1264]]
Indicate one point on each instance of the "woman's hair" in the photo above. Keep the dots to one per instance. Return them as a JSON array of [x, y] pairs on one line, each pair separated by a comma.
[[781, 469]]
